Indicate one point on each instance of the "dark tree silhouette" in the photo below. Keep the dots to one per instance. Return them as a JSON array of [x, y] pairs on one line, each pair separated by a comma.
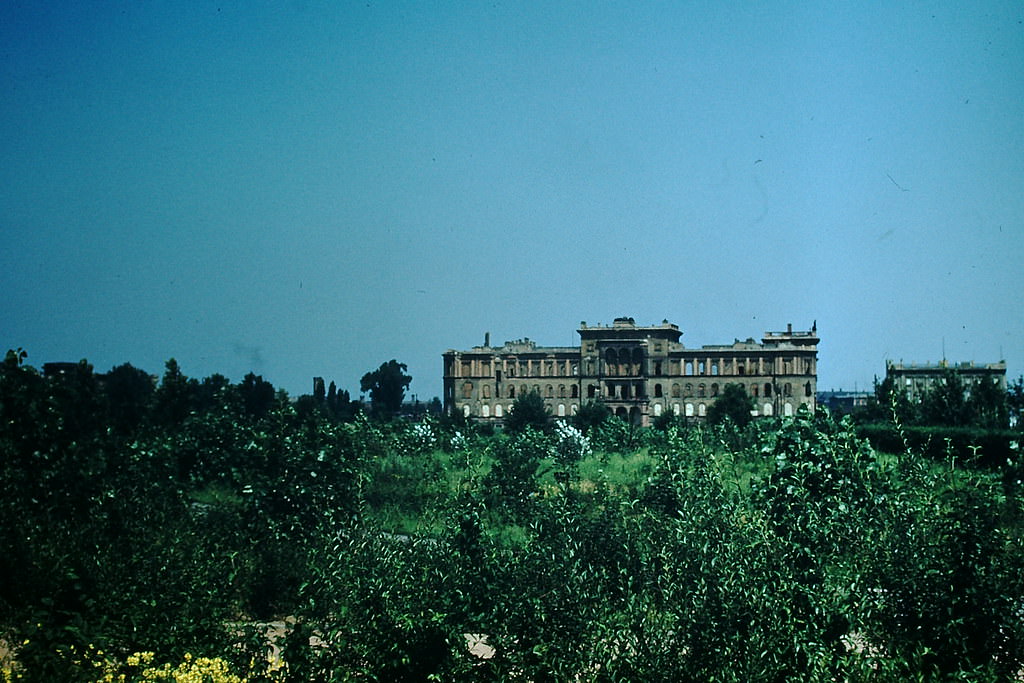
[[386, 385]]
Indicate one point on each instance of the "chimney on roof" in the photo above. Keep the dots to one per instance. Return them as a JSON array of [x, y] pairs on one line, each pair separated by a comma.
[[789, 328], [487, 339]]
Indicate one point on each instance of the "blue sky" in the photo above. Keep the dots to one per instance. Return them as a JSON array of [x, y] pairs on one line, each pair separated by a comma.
[[313, 188]]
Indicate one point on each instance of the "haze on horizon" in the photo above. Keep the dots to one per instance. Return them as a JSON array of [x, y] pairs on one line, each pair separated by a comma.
[[312, 188]]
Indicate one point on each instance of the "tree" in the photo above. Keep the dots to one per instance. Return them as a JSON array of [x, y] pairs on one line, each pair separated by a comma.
[[528, 411], [733, 405], [387, 385], [591, 415], [129, 391], [257, 395]]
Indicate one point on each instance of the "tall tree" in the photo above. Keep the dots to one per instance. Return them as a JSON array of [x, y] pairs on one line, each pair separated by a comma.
[[733, 405], [528, 411], [386, 385], [129, 392]]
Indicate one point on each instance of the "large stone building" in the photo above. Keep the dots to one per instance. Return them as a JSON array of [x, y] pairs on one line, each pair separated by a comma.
[[639, 372], [916, 379]]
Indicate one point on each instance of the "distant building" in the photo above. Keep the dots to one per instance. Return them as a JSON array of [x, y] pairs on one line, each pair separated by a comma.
[[639, 372], [845, 402], [915, 379]]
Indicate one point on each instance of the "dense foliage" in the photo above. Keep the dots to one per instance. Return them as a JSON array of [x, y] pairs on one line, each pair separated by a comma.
[[168, 531]]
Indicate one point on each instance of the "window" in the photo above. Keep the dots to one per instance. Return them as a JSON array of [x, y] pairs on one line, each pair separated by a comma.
[[466, 371], [573, 408], [657, 368], [767, 390], [511, 392], [689, 390], [657, 410], [561, 410], [465, 410], [807, 389], [485, 410], [739, 369], [591, 391], [689, 368], [550, 391], [689, 410], [702, 410], [767, 409], [701, 391], [657, 391], [714, 389], [700, 368], [675, 390], [788, 409], [467, 390], [575, 391], [675, 409], [787, 389], [487, 391], [714, 368], [497, 410], [753, 390], [561, 391]]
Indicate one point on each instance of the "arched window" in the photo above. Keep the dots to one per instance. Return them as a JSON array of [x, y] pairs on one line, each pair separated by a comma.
[[714, 368], [700, 368], [689, 410], [807, 389], [497, 410], [702, 410], [701, 391], [485, 410], [550, 391], [767, 409], [767, 389], [689, 367], [675, 409], [689, 390], [657, 368], [657, 410], [511, 391], [561, 410], [591, 391], [753, 390], [657, 391], [575, 391], [467, 390], [787, 389], [573, 409], [675, 390], [561, 391], [787, 409], [487, 391], [714, 389], [465, 410]]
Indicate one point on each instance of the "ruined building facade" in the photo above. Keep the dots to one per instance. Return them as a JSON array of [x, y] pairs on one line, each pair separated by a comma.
[[639, 372], [916, 380]]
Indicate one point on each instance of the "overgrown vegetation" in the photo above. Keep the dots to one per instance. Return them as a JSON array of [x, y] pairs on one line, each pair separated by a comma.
[[153, 531]]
